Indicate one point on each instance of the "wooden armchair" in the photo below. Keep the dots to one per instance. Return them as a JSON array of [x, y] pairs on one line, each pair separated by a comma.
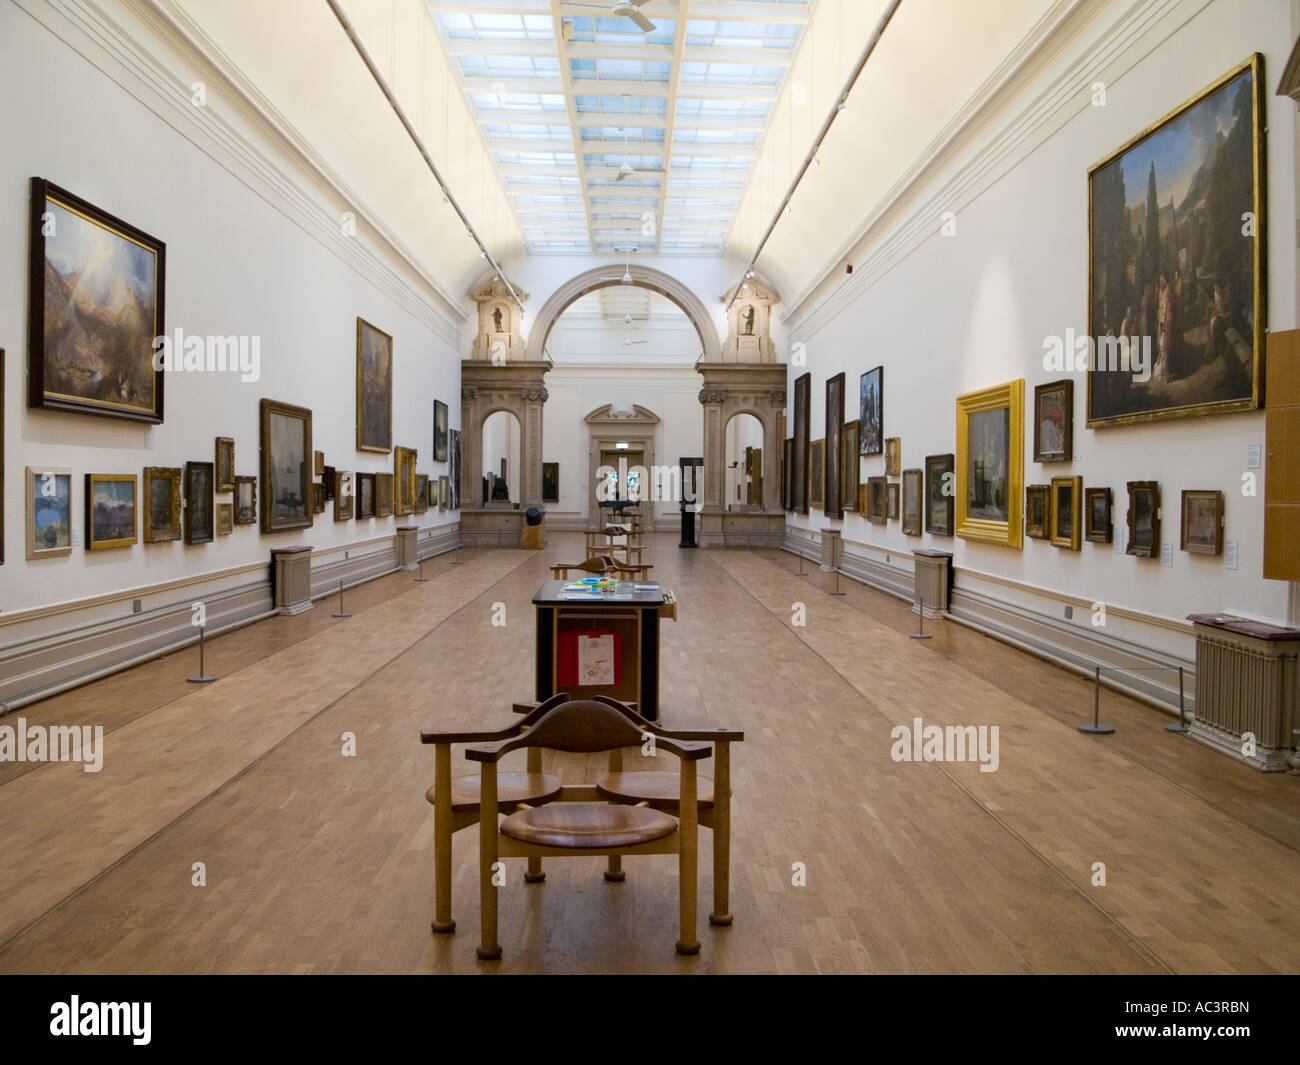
[[575, 826], [659, 790], [603, 565], [456, 802]]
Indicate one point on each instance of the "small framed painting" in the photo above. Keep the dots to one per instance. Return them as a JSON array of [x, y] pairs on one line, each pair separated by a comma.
[[286, 467], [439, 431], [877, 500], [110, 510], [891, 492], [850, 470], [245, 500], [991, 464], [1202, 523], [225, 464], [1099, 527], [318, 463], [550, 482], [317, 498], [162, 504], [383, 495], [330, 481], [1038, 508], [49, 512], [1067, 513], [444, 492], [940, 490], [433, 493], [344, 495], [225, 519], [817, 473], [404, 480], [871, 411], [893, 456], [1143, 519], [1054, 422], [365, 495], [199, 520], [913, 490], [421, 493]]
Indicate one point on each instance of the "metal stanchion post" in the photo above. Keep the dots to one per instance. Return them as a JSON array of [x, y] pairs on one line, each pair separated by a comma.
[[1182, 725], [421, 579], [203, 677], [1096, 728], [342, 613], [920, 633]]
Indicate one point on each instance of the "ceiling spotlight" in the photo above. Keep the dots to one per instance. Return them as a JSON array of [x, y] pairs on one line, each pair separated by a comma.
[[749, 274], [787, 208]]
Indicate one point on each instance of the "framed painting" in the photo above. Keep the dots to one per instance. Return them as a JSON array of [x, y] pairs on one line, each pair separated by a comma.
[[453, 473], [1067, 512], [439, 431], [404, 480], [991, 464], [317, 498], [365, 495], [329, 481], [1098, 524], [444, 492], [245, 500], [383, 495], [345, 489], [850, 468], [550, 482], [1054, 422], [831, 491], [801, 458], [891, 493], [1176, 281], [940, 491], [433, 493], [1202, 523], [374, 388], [817, 473], [893, 456], [871, 411], [1038, 511], [199, 520], [225, 464], [49, 512], [1143, 519], [286, 467], [162, 504], [318, 463], [225, 519], [877, 500], [913, 491], [422, 493], [95, 306], [110, 510]]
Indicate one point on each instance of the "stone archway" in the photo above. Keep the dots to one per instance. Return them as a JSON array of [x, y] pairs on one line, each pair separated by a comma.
[[642, 277]]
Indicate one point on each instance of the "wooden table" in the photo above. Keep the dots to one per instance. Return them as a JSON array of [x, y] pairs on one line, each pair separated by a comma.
[[633, 617]]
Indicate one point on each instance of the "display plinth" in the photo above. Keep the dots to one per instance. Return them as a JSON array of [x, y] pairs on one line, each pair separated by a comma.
[[830, 550], [408, 556], [292, 568], [933, 575]]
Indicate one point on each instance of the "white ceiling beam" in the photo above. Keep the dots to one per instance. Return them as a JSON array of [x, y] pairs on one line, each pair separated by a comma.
[[571, 107], [674, 74], [718, 151]]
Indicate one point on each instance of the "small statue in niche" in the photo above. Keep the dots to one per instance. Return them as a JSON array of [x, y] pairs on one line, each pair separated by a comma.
[[496, 319], [749, 320]]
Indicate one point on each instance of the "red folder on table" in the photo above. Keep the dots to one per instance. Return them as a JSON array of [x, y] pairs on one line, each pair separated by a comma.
[[588, 658]]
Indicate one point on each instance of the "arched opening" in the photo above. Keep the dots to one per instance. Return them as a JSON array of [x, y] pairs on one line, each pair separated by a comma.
[[744, 462], [501, 459]]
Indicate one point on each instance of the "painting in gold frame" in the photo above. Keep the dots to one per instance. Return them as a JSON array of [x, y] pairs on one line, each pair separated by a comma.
[[1099, 525], [891, 494], [49, 511], [444, 492], [1201, 528], [893, 456], [287, 501], [404, 480], [877, 500], [161, 504], [913, 495], [1067, 512], [374, 388], [1038, 511], [850, 471], [421, 493], [991, 464], [245, 500], [225, 519], [383, 495], [111, 508], [1194, 295], [225, 464], [365, 503], [816, 473], [344, 495]]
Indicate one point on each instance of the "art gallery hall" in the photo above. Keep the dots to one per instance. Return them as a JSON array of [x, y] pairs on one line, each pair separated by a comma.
[[683, 487]]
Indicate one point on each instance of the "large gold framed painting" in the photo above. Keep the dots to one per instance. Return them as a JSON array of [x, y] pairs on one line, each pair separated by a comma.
[[1176, 282], [991, 464], [95, 309], [374, 388]]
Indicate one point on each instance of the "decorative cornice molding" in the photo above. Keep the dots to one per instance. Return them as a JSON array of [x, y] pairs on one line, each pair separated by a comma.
[[911, 212], [303, 197]]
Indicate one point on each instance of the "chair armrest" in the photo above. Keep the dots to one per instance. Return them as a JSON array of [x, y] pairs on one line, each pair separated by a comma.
[[533, 710]]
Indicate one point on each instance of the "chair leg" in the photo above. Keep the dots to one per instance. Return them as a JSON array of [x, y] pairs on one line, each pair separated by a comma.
[[488, 949], [687, 861], [442, 919], [535, 875], [614, 873], [721, 914]]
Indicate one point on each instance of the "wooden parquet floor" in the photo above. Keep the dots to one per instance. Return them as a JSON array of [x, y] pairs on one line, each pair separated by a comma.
[[320, 862]]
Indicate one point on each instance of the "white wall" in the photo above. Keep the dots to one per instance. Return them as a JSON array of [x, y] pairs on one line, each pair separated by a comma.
[[970, 310], [235, 265]]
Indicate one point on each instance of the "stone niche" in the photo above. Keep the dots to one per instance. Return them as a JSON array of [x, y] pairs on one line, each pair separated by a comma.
[[749, 323], [500, 337]]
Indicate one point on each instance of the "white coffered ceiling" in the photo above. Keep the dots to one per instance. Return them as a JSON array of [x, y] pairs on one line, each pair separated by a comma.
[[607, 136]]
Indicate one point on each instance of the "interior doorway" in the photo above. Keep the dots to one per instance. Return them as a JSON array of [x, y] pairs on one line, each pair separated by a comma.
[[623, 476]]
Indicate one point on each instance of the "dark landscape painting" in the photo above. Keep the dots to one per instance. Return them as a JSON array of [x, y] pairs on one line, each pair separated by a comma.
[[439, 431], [96, 305], [374, 388], [871, 415], [1176, 247]]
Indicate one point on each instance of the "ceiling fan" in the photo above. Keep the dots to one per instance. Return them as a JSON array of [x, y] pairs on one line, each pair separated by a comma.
[[626, 279], [627, 170], [627, 322], [626, 8]]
